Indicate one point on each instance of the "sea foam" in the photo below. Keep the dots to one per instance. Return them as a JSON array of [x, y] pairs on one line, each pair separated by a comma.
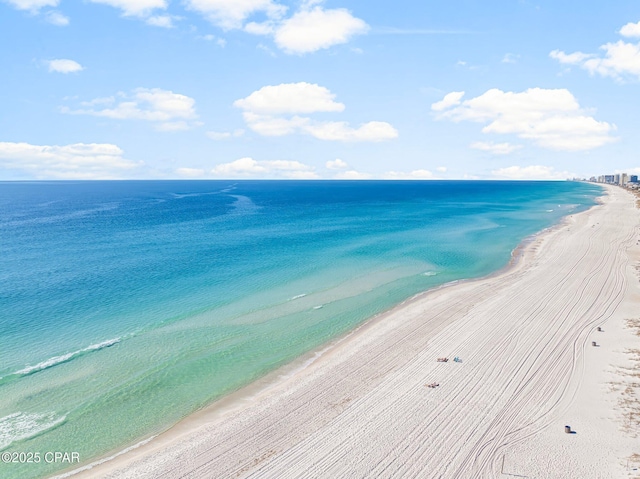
[[20, 426], [55, 360], [297, 296]]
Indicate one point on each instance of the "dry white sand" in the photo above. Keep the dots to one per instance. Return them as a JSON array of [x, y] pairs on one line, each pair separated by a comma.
[[524, 335]]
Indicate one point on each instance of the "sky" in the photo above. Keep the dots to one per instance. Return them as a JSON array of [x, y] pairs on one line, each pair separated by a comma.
[[312, 89]]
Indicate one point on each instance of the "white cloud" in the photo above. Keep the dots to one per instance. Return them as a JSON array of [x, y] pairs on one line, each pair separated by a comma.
[[449, 100], [224, 135], [172, 111], [134, 8], [286, 165], [569, 59], [352, 175], [336, 164], [230, 14], [33, 5], [76, 161], [441, 169], [264, 28], [534, 172], [619, 61], [163, 21], [99, 101], [413, 175], [495, 148], [299, 97], [274, 126], [328, 130], [64, 66], [242, 166], [550, 118], [309, 29], [273, 111], [56, 18], [630, 30], [248, 167], [315, 29]]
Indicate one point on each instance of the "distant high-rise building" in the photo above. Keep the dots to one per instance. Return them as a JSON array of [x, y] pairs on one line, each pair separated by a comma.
[[616, 179], [609, 178], [633, 179]]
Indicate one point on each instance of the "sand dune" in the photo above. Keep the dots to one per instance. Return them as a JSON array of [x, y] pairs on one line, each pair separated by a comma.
[[528, 369]]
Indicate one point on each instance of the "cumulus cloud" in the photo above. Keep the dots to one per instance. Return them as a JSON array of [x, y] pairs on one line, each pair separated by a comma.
[[171, 111], [550, 118], [309, 29], [76, 161], [441, 169], [134, 8], [534, 172], [336, 164], [449, 100], [274, 111], [620, 60], [495, 148], [267, 125], [230, 14], [412, 175], [630, 30], [64, 66], [570, 59], [299, 97], [315, 29], [162, 21], [56, 18], [242, 166], [264, 28], [33, 6], [248, 167]]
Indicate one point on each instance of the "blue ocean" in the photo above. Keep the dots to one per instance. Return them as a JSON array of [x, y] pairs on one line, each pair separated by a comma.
[[125, 306]]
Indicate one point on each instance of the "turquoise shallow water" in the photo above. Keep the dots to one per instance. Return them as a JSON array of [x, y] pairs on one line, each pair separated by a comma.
[[125, 306]]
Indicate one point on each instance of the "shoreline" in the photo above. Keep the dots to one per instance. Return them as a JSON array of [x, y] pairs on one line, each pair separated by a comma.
[[276, 383], [262, 386]]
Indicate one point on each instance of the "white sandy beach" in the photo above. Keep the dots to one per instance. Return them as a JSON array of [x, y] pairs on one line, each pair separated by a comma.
[[362, 409]]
